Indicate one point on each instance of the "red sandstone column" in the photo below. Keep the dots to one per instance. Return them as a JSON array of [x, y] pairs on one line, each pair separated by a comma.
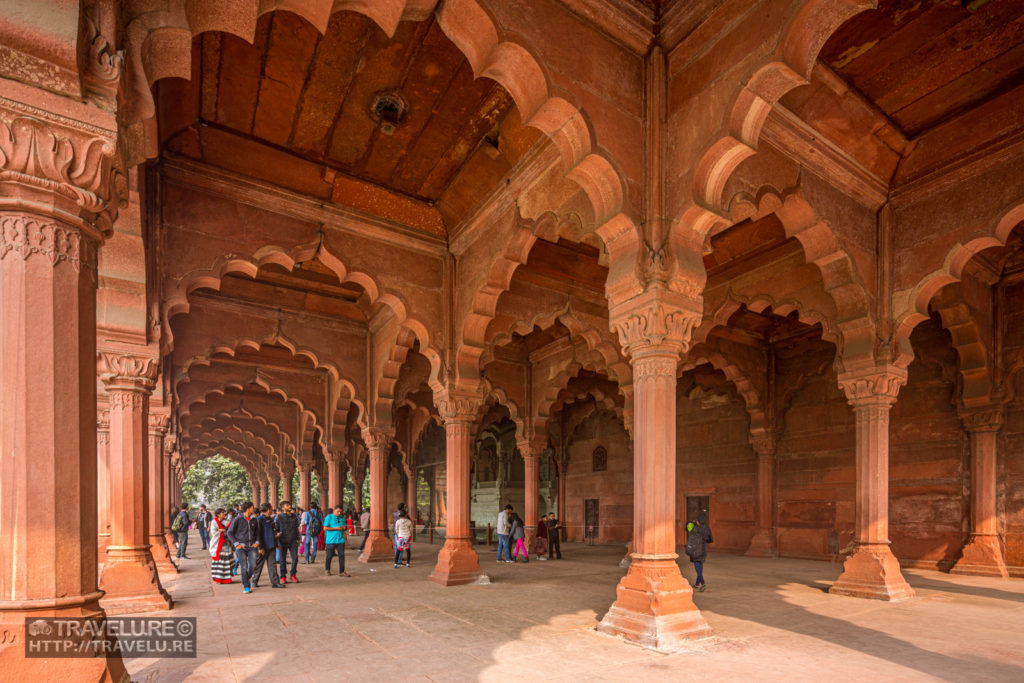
[[103, 484], [305, 470], [654, 605], [983, 553], [168, 485], [158, 544], [129, 576], [334, 462], [358, 477], [286, 484], [531, 460], [457, 563], [56, 191], [872, 571], [764, 544], [275, 482], [378, 545], [410, 497]]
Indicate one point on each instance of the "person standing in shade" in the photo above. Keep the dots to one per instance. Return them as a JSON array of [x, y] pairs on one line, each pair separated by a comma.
[[288, 540], [364, 524], [403, 539], [503, 527], [541, 547], [312, 523], [180, 527], [267, 547], [697, 549], [244, 536], [203, 520], [334, 540], [554, 538], [221, 554]]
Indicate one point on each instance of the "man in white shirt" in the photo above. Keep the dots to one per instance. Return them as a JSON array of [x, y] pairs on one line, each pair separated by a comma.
[[504, 526]]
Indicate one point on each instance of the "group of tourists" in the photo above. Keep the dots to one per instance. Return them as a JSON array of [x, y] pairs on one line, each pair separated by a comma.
[[512, 537]]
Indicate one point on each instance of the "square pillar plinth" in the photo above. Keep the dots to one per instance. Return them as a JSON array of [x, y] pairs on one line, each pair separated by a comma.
[[132, 582], [872, 571], [654, 608], [982, 556], [379, 548], [457, 564]]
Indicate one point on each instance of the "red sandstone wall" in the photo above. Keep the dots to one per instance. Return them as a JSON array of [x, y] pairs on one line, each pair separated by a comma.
[[715, 458], [928, 514], [1010, 466], [613, 487]]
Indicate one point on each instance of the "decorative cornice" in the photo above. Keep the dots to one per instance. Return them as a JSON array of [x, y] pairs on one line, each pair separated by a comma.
[[873, 386], [27, 236]]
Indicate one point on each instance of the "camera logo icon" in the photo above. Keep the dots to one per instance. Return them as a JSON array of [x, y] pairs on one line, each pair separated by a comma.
[[40, 628]]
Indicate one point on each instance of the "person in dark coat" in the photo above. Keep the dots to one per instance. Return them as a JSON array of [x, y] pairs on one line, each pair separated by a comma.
[[243, 534], [267, 548], [702, 531], [288, 540]]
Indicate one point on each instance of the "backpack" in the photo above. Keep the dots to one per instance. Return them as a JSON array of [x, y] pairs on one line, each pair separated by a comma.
[[695, 544], [315, 524], [176, 524]]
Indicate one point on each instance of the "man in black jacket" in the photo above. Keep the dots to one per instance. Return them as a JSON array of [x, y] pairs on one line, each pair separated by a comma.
[[203, 520], [267, 547], [244, 537], [288, 540], [183, 522]]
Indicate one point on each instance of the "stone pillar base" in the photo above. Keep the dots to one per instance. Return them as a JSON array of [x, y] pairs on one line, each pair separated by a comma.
[[763, 544], [457, 563], [102, 541], [982, 556], [131, 583], [16, 667], [872, 571], [654, 607], [379, 548], [162, 554]]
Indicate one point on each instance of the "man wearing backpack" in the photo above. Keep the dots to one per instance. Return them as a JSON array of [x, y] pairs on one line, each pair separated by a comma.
[[697, 548], [313, 524], [180, 528]]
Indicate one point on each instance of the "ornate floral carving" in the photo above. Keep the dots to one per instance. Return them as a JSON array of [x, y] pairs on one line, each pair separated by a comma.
[[127, 373], [135, 400], [103, 66], [28, 236], [377, 439], [76, 163], [658, 320], [873, 386], [158, 423], [649, 367], [983, 420], [457, 406]]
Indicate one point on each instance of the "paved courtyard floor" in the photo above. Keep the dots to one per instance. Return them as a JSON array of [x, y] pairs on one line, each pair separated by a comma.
[[772, 620]]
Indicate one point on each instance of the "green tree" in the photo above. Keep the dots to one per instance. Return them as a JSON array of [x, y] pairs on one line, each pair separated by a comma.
[[216, 482]]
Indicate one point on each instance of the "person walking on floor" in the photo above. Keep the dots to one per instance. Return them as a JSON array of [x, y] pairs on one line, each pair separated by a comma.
[[180, 528], [403, 539], [697, 548], [312, 524], [518, 537], [203, 520], [288, 540], [244, 535], [503, 527], [266, 555], [221, 553], [364, 524], [554, 538], [541, 544], [334, 539]]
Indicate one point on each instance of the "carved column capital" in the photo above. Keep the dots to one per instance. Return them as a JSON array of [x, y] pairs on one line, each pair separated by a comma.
[[987, 419], [127, 372], [63, 165], [158, 424], [656, 323], [764, 442], [457, 406], [874, 386], [378, 439]]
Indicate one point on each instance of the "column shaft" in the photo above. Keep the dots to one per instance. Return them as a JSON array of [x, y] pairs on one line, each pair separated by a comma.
[[763, 543], [334, 483], [103, 485], [286, 487], [275, 482], [157, 505], [983, 553], [378, 545], [531, 471], [304, 486], [457, 562]]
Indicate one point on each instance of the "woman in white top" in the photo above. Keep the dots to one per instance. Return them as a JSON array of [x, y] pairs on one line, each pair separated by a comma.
[[403, 539]]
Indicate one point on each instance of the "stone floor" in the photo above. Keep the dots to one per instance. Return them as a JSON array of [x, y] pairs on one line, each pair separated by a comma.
[[772, 621]]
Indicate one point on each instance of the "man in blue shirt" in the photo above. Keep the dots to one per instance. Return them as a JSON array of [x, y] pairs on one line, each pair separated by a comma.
[[334, 539]]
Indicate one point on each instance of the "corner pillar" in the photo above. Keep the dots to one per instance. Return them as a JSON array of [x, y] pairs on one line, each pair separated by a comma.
[[764, 543], [457, 562], [872, 571], [654, 603], [378, 545], [983, 553], [157, 505]]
